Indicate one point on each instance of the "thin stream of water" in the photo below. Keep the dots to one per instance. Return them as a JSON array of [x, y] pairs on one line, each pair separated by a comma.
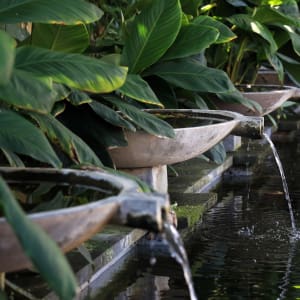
[[178, 252], [284, 183]]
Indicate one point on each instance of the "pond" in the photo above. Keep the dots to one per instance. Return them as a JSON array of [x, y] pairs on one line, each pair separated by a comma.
[[241, 250]]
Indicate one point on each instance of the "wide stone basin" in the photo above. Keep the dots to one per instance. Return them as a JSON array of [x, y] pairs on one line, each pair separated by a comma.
[[69, 227], [198, 131], [269, 97]]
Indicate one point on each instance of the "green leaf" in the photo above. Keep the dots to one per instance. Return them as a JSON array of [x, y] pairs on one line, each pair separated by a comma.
[[42, 251], [74, 70], [20, 136], [146, 121], [69, 39], [294, 37], [191, 75], [268, 15], [28, 92], [191, 40], [190, 6], [151, 34], [249, 24], [78, 98], [111, 116], [137, 88], [71, 144], [226, 35], [291, 66], [276, 64], [7, 54], [13, 159], [217, 153], [68, 12]]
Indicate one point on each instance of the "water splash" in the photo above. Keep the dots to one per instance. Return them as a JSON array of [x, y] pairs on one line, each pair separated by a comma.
[[284, 184], [177, 249]]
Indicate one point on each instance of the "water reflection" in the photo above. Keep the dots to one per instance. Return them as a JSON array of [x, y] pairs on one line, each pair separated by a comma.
[[242, 250]]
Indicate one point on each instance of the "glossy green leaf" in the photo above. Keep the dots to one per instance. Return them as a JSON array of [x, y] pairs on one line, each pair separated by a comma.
[[78, 98], [151, 34], [249, 24], [190, 6], [74, 70], [137, 88], [20, 136], [70, 39], [191, 40], [226, 35], [268, 15], [28, 92], [38, 246], [190, 75], [68, 12], [276, 64], [111, 116], [294, 38], [7, 57], [71, 144], [146, 121], [291, 66]]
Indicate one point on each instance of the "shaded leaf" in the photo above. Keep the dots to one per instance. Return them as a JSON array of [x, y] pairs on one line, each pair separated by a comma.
[[193, 76], [70, 12], [191, 40], [137, 88], [190, 6], [20, 136], [151, 34], [74, 70], [13, 159], [70, 39], [146, 121], [28, 92], [111, 116], [42, 251], [78, 97], [70, 143], [291, 66], [226, 35], [7, 54]]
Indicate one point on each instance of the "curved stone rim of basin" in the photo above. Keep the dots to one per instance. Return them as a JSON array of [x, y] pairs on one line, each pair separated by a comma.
[[269, 100], [146, 150], [70, 227]]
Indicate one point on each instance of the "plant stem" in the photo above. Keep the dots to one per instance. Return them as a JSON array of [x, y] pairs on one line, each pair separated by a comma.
[[2, 281]]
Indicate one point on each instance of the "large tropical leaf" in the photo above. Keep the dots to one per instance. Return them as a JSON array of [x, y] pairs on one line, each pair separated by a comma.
[[28, 92], [7, 54], [191, 40], [69, 12], [20, 136], [42, 251], [249, 24], [71, 144], [190, 7], [151, 34], [71, 39], [137, 88], [73, 70], [226, 35], [110, 115], [146, 121], [191, 75], [12, 158]]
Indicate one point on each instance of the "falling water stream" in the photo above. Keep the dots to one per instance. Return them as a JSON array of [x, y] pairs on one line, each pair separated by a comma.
[[284, 183], [178, 252]]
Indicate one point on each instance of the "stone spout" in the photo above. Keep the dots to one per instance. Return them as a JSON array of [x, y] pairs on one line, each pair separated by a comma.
[[143, 211], [251, 127]]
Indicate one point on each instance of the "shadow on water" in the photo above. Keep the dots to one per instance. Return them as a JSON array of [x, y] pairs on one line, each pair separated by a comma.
[[243, 248]]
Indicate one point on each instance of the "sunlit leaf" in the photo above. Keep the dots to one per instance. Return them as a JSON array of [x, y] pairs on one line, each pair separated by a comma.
[[74, 70], [150, 35]]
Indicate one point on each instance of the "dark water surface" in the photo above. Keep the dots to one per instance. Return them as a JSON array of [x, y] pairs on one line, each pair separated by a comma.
[[241, 250]]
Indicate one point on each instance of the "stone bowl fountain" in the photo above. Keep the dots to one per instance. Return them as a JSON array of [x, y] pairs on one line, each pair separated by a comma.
[[121, 203], [196, 131], [269, 97]]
